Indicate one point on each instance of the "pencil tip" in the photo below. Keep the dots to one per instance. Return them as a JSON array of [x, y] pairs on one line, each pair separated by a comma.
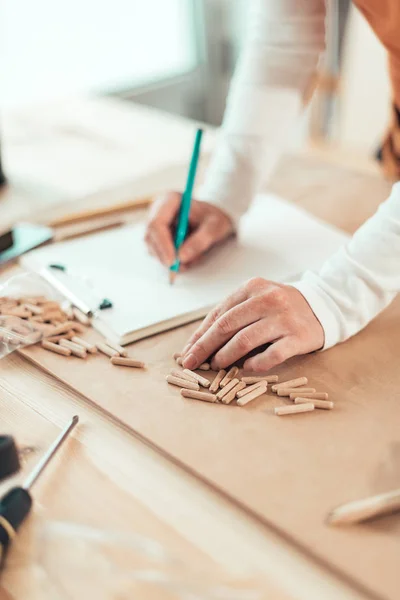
[[172, 277]]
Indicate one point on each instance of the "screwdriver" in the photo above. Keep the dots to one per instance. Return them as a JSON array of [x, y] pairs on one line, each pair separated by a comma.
[[16, 504]]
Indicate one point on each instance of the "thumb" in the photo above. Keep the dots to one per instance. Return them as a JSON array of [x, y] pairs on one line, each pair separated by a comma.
[[198, 242]]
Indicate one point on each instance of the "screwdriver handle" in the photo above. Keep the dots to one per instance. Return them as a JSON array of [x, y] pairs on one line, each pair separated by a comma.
[[15, 506]]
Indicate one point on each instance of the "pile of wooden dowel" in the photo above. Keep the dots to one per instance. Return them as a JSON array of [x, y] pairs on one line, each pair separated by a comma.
[[227, 387], [61, 327], [305, 399]]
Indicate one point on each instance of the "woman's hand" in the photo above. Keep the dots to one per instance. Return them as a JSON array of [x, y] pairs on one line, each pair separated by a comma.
[[260, 312], [209, 225]]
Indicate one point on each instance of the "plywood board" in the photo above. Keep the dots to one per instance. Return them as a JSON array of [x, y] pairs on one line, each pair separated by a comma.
[[287, 472], [291, 471]]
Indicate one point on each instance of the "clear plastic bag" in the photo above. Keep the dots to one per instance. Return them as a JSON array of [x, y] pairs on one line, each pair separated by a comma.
[[17, 332]]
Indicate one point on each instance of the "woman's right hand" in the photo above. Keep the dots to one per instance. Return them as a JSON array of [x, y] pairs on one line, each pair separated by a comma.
[[208, 225]]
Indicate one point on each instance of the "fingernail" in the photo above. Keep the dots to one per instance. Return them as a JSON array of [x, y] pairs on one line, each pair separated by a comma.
[[190, 362]]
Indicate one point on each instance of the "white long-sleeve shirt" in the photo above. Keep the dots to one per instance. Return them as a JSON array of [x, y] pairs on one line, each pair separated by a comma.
[[285, 40]]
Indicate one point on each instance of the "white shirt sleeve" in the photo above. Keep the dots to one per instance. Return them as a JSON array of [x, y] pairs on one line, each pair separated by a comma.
[[277, 66], [361, 279]]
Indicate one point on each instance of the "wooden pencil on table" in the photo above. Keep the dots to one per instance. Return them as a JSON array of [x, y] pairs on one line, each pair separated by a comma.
[[367, 508], [105, 211]]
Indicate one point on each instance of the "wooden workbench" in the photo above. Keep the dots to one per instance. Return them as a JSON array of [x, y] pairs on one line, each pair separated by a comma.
[[109, 483]]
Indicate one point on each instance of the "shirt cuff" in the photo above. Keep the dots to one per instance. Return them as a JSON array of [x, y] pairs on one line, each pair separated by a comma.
[[324, 309]]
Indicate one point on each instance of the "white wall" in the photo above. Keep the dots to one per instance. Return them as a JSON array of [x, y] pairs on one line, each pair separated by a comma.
[[54, 49], [365, 95]]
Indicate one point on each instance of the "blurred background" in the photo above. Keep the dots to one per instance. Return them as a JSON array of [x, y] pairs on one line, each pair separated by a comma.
[[107, 48]]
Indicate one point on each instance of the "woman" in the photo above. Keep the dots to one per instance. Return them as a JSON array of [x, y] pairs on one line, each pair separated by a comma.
[[272, 81]]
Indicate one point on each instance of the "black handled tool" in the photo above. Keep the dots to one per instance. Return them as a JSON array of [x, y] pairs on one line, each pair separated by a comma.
[[9, 458], [16, 504]]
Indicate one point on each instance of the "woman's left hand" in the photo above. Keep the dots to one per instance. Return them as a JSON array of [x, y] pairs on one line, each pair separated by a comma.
[[258, 313]]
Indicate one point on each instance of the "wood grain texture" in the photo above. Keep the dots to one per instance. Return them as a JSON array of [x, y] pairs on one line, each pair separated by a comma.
[[106, 466], [263, 462]]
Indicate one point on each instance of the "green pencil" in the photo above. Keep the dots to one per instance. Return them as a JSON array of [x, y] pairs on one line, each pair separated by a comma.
[[183, 218]]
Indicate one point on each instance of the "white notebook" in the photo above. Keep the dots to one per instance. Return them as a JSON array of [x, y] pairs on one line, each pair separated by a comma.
[[277, 241]]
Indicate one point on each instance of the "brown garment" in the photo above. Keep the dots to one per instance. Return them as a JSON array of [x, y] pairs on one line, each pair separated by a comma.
[[384, 18]]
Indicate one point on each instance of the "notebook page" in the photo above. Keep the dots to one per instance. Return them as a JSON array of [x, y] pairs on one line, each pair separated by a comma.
[[276, 241]]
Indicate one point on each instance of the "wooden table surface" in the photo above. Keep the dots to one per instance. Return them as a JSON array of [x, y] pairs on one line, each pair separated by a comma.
[[112, 513]]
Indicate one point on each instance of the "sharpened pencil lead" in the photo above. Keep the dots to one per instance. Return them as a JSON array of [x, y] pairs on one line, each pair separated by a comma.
[[172, 277]]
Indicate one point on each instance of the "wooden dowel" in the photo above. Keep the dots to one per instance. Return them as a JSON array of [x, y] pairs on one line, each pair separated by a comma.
[[204, 396], [233, 371], [63, 328], [70, 344], [229, 386], [182, 375], [325, 404], [182, 383], [56, 338], [105, 349], [293, 383], [87, 345], [121, 351], [7, 300], [123, 361], [53, 316], [204, 367], [80, 316], [78, 327], [46, 330], [51, 305], [217, 380], [201, 380], [294, 409], [361, 510], [35, 310], [251, 388], [287, 391], [258, 391], [231, 395], [75, 348], [313, 396], [21, 327], [36, 300], [37, 319], [267, 378], [100, 212], [72, 231], [56, 348], [17, 311]]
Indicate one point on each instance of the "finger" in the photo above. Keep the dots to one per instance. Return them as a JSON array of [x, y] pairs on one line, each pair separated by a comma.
[[244, 341], [165, 208], [160, 239], [222, 330], [196, 244], [211, 230], [277, 353], [237, 297], [152, 246]]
